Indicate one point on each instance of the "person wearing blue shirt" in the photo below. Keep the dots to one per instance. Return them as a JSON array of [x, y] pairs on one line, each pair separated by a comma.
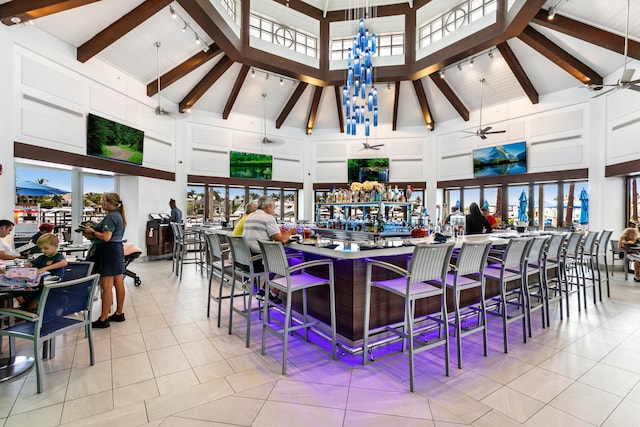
[[109, 257], [176, 214]]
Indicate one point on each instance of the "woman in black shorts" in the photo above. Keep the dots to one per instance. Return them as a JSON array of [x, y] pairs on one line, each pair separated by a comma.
[[109, 257]]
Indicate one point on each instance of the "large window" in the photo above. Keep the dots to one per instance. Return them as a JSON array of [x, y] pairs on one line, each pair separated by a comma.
[[388, 45], [195, 204], [632, 200], [273, 32]]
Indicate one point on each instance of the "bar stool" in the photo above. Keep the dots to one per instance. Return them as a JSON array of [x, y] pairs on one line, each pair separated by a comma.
[[218, 256], [602, 243], [182, 245], [425, 278], [570, 267], [536, 290], [587, 265], [552, 262], [243, 269], [466, 274], [511, 267], [289, 280]]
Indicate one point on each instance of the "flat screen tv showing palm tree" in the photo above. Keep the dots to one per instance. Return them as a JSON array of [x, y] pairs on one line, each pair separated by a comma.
[[500, 160], [250, 165], [360, 170], [113, 140]]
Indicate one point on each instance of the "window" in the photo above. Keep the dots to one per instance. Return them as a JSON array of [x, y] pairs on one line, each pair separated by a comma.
[[632, 200], [457, 17], [217, 211], [273, 32], [388, 45], [195, 204], [236, 203], [230, 7]]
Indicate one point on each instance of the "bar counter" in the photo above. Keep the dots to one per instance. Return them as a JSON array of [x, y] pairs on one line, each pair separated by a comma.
[[350, 280]]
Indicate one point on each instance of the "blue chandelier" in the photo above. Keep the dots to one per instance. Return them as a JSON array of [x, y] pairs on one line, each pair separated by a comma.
[[359, 96]]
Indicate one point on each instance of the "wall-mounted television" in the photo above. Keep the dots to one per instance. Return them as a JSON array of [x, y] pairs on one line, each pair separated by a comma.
[[360, 170], [113, 140], [500, 160], [250, 165]]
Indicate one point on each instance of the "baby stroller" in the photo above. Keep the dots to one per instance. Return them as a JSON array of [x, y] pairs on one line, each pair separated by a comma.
[[131, 252]]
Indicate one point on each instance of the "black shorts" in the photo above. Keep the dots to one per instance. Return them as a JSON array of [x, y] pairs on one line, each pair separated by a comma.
[[109, 258]]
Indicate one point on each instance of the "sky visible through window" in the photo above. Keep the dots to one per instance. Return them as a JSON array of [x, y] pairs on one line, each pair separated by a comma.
[[62, 179]]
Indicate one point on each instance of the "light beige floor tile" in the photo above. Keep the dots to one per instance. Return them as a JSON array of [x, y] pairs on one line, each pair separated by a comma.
[[329, 396], [367, 419], [532, 353], [233, 345], [245, 361], [168, 360], [130, 326], [87, 406], [260, 392], [8, 393], [88, 380], [622, 358], [610, 379], [131, 369], [187, 333], [176, 381], [474, 385], [134, 393], [212, 371], [251, 378], [495, 418], [568, 364], [177, 318], [503, 369], [398, 403], [513, 404], [187, 398], [272, 414], [159, 338], [174, 421], [101, 352], [541, 384], [231, 410], [550, 416], [324, 374], [132, 415], [62, 361], [590, 349], [626, 414], [200, 352], [42, 417], [151, 322], [586, 403], [125, 345], [54, 387], [373, 378]]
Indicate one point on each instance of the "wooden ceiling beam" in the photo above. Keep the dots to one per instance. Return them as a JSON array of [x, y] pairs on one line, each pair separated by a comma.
[[290, 104], [235, 91], [450, 95], [558, 56], [396, 103], [313, 112], [119, 28], [181, 70], [17, 12], [424, 105], [587, 33], [338, 91], [205, 84], [519, 73]]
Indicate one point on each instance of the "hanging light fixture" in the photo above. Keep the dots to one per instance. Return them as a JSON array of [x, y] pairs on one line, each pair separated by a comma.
[[359, 95]]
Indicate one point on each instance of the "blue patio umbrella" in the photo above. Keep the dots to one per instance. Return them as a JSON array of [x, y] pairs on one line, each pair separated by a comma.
[[30, 188], [458, 204], [584, 209], [486, 204], [522, 207]]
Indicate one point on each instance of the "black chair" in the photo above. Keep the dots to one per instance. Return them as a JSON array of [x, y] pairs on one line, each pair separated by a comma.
[[63, 307], [77, 269], [218, 254]]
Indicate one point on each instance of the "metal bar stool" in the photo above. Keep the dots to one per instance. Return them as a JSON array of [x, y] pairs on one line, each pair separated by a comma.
[[289, 280], [244, 268], [552, 262], [536, 290], [425, 278], [588, 270], [601, 244], [570, 267], [466, 274], [218, 256]]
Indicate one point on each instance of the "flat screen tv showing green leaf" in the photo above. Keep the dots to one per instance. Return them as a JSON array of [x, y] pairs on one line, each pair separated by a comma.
[[250, 165], [360, 170], [113, 140]]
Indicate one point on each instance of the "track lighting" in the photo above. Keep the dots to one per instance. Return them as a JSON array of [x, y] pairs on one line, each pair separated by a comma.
[[281, 81], [197, 39], [471, 63], [186, 27], [552, 13], [253, 72], [490, 55], [267, 77], [174, 15], [442, 73], [268, 74], [459, 67]]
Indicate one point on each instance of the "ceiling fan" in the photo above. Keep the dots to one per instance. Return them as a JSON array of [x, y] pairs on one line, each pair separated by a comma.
[[367, 146], [482, 132], [265, 138], [159, 110], [625, 81]]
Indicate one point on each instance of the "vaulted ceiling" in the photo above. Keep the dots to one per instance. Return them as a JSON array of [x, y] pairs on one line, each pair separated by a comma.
[[532, 57]]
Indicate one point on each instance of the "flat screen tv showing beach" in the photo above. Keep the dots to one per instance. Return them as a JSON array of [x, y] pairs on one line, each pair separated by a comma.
[[360, 170], [113, 140], [500, 160], [250, 165]]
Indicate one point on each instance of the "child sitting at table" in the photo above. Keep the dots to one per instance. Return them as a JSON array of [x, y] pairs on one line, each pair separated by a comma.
[[50, 261]]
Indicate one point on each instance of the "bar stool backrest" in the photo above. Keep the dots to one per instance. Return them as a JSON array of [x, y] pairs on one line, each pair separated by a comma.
[[516, 253], [177, 231], [214, 243], [274, 257], [556, 246], [573, 243], [472, 257], [589, 243], [537, 250], [430, 261], [240, 253], [603, 239]]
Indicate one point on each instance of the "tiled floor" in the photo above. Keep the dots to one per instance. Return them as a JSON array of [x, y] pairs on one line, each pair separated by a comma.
[[169, 365]]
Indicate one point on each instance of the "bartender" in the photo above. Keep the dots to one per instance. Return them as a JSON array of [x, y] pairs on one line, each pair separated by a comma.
[[6, 252]]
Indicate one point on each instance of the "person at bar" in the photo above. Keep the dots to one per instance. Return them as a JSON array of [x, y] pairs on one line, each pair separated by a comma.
[[492, 219], [476, 223], [248, 208], [6, 252], [629, 239], [447, 219]]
